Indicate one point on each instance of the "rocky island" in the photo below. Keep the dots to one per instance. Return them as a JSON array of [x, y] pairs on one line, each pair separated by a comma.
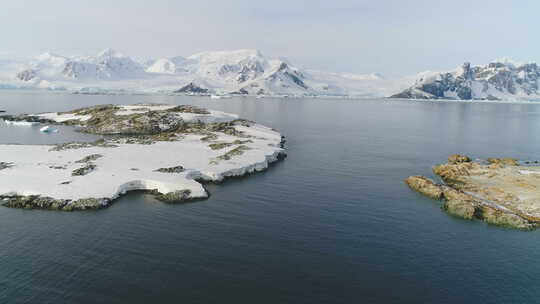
[[167, 150], [499, 191]]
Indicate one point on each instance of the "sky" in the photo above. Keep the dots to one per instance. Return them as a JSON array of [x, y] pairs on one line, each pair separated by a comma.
[[394, 38]]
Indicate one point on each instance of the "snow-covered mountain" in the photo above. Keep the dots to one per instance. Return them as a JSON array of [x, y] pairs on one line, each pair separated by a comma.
[[224, 72], [107, 65], [498, 80], [173, 65], [239, 72]]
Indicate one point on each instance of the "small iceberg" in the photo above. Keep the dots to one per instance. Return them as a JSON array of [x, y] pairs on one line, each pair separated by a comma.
[[48, 129]]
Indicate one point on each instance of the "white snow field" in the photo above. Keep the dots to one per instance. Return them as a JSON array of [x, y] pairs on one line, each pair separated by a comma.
[[109, 172]]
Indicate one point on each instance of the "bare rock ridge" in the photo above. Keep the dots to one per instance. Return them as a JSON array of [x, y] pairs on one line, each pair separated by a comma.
[[499, 191], [192, 88]]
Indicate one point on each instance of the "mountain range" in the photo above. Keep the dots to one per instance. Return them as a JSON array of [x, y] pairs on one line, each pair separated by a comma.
[[243, 72], [249, 72]]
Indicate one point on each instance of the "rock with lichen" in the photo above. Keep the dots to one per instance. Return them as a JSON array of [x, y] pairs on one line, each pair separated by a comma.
[[457, 158], [498, 191], [425, 186]]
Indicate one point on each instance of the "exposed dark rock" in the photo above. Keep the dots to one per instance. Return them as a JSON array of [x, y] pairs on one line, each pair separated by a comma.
[[173, 197], [26, 75], [177, 169], [58, 167], [192, 88], [234, 152], [84, 170], [76, 145], [89, 158], [242, 91], [223, 145], [4, 165], [457, 158], [188, 109]]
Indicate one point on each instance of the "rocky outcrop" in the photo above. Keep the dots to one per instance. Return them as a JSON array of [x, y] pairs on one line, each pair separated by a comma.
[[498, 191], [493, 81], [192, 88], [425, 186], [503, 161], [39, 202], [176, 169], [174, 197], [457, 158], [4, 165], [26, 75], [461, 208]]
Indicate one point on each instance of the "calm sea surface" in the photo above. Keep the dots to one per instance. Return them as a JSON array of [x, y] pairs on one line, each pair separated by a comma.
[[333, 223]]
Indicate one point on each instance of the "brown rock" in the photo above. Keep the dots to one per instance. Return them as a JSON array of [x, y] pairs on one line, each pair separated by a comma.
[[453, 172], [500, 218], [425, 186], [452, 194], [463, 209], [503, 161], [457, 158]]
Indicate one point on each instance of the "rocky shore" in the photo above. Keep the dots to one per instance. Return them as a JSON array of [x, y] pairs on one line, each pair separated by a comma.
[[499, 191], [166, 150]]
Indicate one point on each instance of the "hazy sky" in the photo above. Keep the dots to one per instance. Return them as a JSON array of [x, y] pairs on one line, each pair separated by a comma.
[[391, 37]]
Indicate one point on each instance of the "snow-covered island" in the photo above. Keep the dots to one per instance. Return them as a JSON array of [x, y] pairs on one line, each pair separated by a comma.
[[164, 149]]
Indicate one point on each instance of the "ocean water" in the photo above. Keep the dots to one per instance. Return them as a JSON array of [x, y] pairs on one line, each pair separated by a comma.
[[333, 223]]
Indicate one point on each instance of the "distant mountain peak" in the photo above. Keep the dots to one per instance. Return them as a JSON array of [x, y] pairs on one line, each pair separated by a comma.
[[48, 55], [110, 53]]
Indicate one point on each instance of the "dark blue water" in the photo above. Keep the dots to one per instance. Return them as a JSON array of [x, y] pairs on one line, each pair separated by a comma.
[[333, 223]]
